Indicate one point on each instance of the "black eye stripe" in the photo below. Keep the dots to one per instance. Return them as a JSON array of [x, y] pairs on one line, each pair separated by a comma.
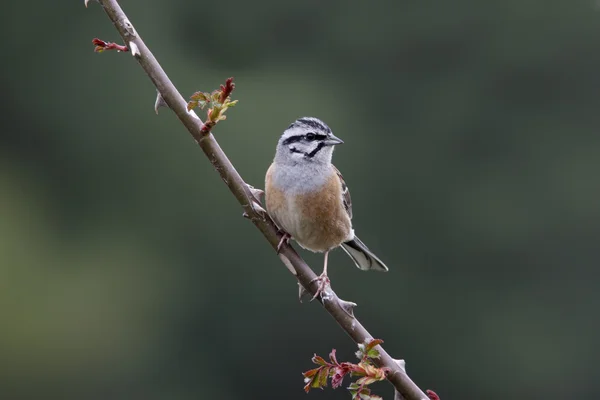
[[292, 139], [315, 136], [298, 138]]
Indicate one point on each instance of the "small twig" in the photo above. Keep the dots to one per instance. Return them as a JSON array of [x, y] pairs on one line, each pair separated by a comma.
[[432, 395], [101, 46]]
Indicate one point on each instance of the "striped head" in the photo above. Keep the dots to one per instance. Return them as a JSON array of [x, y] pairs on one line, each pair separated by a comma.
[[306, 140]]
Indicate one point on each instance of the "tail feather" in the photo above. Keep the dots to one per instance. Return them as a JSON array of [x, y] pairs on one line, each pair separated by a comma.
[[362, 256]]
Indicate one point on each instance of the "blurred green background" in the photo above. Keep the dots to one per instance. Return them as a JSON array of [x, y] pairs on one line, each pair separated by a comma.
[[472, 154]]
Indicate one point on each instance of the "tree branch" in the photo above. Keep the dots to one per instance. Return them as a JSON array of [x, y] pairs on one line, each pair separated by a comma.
[[340, 310]]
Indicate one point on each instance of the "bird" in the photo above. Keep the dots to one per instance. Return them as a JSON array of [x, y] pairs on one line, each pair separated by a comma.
[[308, 199]]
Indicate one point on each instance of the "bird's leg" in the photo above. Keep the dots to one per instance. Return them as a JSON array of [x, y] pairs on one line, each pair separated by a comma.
[[322, 279], [285, 238]]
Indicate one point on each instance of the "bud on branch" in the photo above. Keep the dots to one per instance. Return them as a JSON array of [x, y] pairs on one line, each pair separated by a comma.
[[101, 46], [218, 101]]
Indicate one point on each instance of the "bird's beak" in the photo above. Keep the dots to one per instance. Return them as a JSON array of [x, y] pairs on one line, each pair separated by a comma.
[[332, 140]]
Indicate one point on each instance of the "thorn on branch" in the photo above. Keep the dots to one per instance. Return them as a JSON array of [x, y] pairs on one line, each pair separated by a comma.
[[301, 292], [347, 306], [256, 193], [135, 51], [402, 364], [257, 208], [101, 46], [286, 261], [87, 1], [159, 102]]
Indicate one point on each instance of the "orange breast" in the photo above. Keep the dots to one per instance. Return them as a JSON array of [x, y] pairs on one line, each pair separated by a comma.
[[316, 220]]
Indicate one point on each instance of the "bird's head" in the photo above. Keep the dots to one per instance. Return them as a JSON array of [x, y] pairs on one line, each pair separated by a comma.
[[306, 140]]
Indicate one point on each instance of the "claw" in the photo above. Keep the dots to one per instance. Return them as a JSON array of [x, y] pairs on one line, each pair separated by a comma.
[[324, 282]]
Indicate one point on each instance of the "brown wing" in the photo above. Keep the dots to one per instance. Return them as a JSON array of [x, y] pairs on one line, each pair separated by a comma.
[[345, 193]]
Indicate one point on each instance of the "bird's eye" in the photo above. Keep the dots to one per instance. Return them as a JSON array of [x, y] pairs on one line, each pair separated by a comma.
[[310, 136]]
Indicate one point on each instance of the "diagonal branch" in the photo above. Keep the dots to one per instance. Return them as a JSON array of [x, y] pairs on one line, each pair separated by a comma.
[[340, 310]]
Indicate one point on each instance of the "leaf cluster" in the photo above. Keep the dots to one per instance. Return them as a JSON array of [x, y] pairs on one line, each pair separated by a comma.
[[365, 370], [218, 101]]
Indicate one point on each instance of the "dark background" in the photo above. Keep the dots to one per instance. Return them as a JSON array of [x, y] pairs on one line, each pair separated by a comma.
[[472, 154]]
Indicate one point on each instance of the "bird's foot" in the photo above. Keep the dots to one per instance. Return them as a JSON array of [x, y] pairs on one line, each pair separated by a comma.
[[323, 282], [285, 238]]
